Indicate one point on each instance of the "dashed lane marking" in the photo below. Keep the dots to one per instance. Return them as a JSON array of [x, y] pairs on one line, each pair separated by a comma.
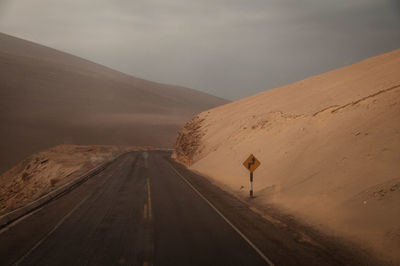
[[149, 199], [145, 211]]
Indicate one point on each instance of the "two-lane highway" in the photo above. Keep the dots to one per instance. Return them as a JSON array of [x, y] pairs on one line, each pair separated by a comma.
[[145, 211], [129, 214]]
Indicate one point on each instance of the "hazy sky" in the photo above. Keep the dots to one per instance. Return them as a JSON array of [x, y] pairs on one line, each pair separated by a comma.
[[229, 48]]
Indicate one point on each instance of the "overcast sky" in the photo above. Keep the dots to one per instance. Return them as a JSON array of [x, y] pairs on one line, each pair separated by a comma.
[[229, 48]]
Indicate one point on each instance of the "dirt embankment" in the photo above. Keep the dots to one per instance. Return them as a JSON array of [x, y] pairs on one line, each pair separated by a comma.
[[328, 145], [47, 170]]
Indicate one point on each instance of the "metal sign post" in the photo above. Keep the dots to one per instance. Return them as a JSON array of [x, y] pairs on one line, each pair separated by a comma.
[[251, 164], [251, 184]]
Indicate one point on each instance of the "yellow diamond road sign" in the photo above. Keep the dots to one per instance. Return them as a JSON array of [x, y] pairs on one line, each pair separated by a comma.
[[251, 163]]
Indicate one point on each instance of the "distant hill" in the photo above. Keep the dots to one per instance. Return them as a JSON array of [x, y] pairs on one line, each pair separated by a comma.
[[329, 148], [48, 97]]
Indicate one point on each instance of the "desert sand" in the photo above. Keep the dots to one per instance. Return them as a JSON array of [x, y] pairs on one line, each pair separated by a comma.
[[329, 148], [49, 169], [48, 98]]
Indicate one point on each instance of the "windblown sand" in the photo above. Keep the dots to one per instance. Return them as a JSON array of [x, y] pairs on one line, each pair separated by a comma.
[[329, 148]]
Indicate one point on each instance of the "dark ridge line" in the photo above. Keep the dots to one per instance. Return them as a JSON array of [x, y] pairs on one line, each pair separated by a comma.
[[365, 98]]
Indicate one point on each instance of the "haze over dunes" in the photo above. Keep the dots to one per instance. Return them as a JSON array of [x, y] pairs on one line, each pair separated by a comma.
[[48, 97], [329, 147]]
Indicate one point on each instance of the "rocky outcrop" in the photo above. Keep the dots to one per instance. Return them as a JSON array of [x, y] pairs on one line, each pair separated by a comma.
[[188, 141]]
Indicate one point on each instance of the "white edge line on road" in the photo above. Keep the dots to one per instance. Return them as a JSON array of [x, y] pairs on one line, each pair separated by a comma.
[[12, 224], [226, 219], [51, 232]]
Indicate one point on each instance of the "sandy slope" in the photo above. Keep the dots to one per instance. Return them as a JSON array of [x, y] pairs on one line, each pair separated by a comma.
[[48, 98], [47, 170], [329, 147]]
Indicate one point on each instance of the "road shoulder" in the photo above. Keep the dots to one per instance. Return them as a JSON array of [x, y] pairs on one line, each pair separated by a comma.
[[278, 234]]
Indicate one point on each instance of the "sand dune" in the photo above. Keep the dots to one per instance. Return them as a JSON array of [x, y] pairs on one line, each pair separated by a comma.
[[329, 147], [48, 97]]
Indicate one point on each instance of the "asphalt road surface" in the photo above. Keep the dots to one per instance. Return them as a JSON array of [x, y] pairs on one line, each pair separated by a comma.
[[153, 211]]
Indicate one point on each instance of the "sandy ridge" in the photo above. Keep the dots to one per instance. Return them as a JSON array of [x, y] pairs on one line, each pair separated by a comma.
[[328, 146]]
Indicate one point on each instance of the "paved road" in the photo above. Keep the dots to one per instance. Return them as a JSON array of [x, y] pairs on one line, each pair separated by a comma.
[[144, 212]]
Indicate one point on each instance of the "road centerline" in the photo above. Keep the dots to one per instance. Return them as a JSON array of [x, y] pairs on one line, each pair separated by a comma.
[[145, 211], [149, 198]]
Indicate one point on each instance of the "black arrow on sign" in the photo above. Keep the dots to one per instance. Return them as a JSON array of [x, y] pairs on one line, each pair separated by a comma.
[[253, 161]]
